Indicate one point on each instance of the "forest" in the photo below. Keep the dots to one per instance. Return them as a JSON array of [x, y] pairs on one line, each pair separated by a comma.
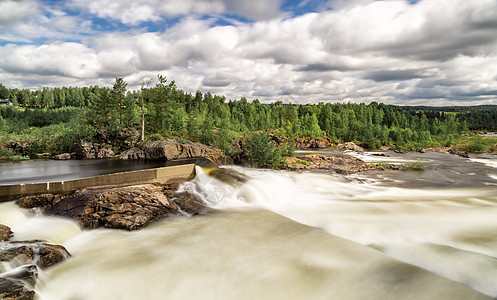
[[52, 119]]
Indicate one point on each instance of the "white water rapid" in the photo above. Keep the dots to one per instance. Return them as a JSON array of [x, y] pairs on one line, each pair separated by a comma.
[[286, 235]]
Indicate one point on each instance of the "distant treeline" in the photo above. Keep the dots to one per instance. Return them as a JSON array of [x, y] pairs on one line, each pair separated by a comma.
[[481, 117], [73, 113]]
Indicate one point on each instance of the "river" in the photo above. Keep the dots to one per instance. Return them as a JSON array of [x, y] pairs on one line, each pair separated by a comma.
[[284, 235]]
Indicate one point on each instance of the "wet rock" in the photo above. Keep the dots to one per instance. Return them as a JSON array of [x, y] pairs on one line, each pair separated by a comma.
[[229, 176], [189, 203], [32, 252], [11, 289], [26, 274], [173, 149], [63, 156], [43, 200], [25, 257], [129, 208], [460, 153], [5, 233], [340, 164], [350, 146]]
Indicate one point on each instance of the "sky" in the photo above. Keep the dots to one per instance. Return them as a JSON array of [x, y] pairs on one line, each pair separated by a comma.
[[407, 52]]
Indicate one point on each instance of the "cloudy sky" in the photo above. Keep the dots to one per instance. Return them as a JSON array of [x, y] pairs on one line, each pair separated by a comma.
[[433, 52]]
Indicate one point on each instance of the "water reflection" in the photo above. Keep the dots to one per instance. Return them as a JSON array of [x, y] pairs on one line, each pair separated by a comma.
[[43, 170]]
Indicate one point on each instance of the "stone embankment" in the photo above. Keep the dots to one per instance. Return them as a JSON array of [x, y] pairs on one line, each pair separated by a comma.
[[20, 262]]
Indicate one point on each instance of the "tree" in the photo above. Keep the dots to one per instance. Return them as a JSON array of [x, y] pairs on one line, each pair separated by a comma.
[[260, 149], [119, 93], [4, 92], [144, 83]]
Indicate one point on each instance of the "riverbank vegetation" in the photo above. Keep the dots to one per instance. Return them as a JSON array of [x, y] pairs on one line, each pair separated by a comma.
[[53, 119]]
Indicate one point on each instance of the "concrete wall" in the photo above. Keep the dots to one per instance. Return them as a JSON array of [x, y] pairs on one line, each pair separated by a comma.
[[157, 175]]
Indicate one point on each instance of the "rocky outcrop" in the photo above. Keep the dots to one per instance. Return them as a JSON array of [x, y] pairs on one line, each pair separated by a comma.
[[20, 262], [89, 150], [339, 164], [21, 147], [129, 208], [350, 146], [446, 150], [302, 142], [63, 156], [172, 149], [306, 142]]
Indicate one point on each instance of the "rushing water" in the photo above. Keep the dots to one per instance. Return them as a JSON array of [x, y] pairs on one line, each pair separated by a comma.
[[284, 235]]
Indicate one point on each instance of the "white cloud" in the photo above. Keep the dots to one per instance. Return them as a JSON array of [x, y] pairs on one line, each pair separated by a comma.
[[15, 11], [388, 51], [57, 59], [136, 11]]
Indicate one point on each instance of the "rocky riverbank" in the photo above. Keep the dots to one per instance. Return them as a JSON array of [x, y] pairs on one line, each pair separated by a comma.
[[20, 262]]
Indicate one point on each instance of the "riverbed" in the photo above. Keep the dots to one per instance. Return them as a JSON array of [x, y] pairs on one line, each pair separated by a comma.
[[285, 235]]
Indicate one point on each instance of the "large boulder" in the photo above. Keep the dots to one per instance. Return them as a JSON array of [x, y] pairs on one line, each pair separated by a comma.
[[129, 208], [339, 164], [350, 146], [171, 149], [307, 142], [89, 150], [63, 156]]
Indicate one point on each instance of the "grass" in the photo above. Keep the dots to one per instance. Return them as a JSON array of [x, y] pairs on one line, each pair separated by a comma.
[[413, 166]]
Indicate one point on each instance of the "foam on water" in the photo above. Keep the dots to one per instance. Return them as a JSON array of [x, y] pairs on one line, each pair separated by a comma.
[[378, 215]]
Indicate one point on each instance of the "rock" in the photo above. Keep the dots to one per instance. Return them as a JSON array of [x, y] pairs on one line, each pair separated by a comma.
[[460, 153], [42, 200], [229, 176], [63, 156], [43, 155], [25, 257], [350, 146], [104, 153], [340, 164], [129, 208], [20, 147], [189, 203], [84, 149], [5, 233], [89, 150], [11, 289], [173, 149], [32, 253], [27, 274], [307, 142]]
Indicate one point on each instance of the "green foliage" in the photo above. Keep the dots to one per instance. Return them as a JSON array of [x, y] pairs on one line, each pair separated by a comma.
[[9, 155], [479, 144], [261, 151], [211, 119], [413, 166], [4, 92]]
